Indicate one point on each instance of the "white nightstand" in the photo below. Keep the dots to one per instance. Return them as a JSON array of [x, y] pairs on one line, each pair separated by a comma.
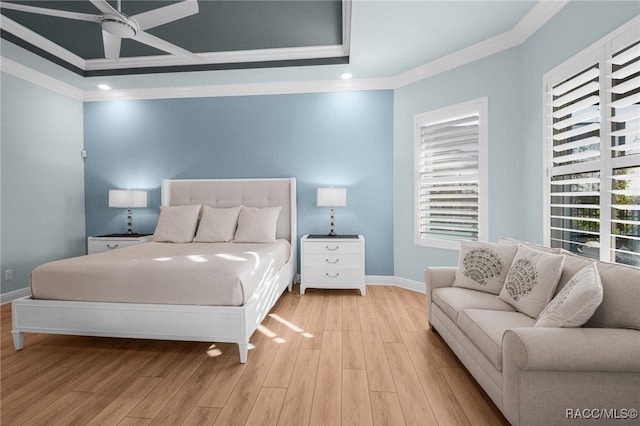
[[114, 241], [332, 262]]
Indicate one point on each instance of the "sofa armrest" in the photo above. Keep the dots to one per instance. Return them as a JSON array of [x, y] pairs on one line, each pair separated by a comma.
[[436, 277], [557, 371], [573, 349], [439, 276]]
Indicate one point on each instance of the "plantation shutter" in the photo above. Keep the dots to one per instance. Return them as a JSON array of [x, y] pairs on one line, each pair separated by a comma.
[[449, 178], [593, 136], [625, 150], [575, 172]]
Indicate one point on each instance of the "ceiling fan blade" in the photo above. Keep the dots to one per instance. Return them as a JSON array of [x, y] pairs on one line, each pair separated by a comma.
[[105, 7], [111, 45], [51, 12], [158, 43], [163, 15]]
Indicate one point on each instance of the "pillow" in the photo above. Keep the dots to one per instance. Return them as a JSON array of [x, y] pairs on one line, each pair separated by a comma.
[[177, 224], [217, 225], [257, 225], [532, 279], [576, 302], [484, 266]]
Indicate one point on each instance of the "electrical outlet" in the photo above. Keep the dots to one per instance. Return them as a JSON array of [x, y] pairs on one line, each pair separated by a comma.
[[8, 274]]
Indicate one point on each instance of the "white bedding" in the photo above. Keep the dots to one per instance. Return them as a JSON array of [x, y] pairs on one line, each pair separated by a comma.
[[217, 274]]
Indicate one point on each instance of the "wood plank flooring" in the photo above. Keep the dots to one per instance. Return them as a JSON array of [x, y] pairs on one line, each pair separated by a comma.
[[324, 358]]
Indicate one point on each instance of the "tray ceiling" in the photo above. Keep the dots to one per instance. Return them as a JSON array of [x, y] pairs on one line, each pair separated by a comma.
[[223, 35]]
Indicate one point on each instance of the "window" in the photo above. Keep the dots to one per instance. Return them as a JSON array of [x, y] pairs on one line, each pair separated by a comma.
[[593, 151], [450, 170]]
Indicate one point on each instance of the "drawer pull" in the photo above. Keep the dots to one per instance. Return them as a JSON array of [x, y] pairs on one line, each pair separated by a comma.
[[336, 275], [115, 246], [332, 249], [333, 262]]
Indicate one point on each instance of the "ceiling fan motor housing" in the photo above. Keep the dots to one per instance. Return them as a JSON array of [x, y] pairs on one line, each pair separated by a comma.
[[123, 28]]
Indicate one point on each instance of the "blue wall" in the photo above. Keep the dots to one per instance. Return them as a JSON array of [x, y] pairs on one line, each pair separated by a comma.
[[42, 187], [498, 78], [340, 139]]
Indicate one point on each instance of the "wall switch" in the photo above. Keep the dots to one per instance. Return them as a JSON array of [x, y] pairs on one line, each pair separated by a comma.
[[8, 274]]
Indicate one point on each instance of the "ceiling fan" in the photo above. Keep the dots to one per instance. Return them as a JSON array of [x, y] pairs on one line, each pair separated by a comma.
[[116, 25]]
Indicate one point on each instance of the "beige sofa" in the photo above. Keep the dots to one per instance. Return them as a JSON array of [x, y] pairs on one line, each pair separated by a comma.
[[547, 376]]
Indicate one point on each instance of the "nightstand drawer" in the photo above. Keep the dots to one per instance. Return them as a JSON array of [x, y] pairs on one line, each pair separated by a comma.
[[102, 244], [332, 247], [334, 275], [333, 260]]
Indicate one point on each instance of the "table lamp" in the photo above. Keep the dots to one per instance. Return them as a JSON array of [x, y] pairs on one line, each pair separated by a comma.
[[332, 197], [127, 199]]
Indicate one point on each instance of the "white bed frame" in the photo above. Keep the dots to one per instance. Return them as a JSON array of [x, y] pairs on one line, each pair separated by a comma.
[[178, 322]]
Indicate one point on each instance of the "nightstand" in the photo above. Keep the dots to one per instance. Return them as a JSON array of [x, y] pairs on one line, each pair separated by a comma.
[[332, 262], [114, 241]]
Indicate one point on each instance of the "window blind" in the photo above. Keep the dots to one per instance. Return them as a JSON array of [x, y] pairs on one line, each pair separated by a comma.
[[449, 178]]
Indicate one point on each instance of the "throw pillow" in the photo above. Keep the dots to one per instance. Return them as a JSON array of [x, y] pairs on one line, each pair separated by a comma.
[[576, 302], [257, 225], [532, 280], [217, 225], [177, 224], [483, 266]]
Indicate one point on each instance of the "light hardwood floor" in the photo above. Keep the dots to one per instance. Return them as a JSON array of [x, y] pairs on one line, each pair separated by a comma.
[[324, 358]]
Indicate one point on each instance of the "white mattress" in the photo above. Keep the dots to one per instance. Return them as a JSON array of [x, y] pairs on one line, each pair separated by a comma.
[[220, 274]]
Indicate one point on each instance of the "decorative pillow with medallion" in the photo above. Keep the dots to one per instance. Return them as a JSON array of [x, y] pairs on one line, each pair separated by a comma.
[[484, 266], [576, 302], [532, 280]]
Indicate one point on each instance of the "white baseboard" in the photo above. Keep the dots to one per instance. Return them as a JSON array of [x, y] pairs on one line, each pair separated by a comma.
[[369, 280], [13, 295], [395, 281]]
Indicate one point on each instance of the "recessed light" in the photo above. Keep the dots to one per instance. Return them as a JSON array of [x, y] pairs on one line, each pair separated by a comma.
[[103, 86], [346, 75]]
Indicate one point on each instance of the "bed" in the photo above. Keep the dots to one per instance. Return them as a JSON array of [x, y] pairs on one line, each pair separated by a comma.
[[170, 312]]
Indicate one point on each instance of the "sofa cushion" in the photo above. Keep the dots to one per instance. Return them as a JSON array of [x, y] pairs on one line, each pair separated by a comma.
[[576, 302], [512, 241], [483, 266], [620, 297], [485, 329], [532, 280], [452, 300]]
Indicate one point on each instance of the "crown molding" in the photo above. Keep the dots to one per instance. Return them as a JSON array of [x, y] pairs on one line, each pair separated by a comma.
[[36, 77], [233, 57], [537, 17], [532, 22], [251, 89]]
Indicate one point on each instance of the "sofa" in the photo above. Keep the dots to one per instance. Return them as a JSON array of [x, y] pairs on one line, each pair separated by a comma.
[[546, 375]]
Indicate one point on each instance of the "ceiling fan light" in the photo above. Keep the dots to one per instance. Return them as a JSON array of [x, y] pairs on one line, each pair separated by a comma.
[[118, 27]]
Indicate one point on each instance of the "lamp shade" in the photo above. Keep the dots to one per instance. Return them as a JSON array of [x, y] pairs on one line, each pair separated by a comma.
[[332, 197], [127, 198]]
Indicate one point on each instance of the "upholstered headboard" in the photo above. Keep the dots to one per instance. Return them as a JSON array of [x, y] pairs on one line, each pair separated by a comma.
[[238, 192]]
